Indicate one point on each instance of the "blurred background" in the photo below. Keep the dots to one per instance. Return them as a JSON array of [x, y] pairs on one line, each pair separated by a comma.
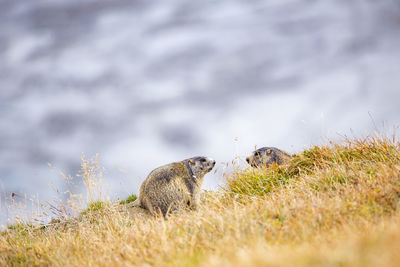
[[145, 83]]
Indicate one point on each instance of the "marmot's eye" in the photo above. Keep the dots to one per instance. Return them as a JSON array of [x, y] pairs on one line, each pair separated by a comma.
[[203, 160]]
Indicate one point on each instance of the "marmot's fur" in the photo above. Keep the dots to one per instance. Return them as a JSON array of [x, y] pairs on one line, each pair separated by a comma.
[[265, 156], [174, 186]]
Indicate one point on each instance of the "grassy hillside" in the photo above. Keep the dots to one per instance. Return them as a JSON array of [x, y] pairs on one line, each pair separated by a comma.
[[332, 205]]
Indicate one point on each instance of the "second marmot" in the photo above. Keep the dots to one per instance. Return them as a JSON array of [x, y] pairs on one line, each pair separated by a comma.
[[266, 156], [174, 186]]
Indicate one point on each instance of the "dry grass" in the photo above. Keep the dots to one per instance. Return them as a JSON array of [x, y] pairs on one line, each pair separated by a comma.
[[331, 206]]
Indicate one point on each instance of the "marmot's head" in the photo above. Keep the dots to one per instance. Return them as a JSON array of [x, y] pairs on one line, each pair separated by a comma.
[[265, 156], [201, 165]]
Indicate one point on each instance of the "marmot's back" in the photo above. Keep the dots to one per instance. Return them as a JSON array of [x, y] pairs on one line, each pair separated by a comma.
[[165, 188]]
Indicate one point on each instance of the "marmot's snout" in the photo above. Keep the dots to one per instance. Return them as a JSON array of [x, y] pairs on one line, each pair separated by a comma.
[[254, 160], [211, 163], [202, 164]]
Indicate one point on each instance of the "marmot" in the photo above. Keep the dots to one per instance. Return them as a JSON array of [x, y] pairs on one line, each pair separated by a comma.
[[174, 186], [265, 156]]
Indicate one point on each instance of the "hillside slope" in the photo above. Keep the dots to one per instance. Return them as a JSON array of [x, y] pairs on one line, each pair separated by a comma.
[[332, 205]]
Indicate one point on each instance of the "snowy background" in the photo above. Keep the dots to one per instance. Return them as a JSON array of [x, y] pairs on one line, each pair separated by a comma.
[[145, 83]]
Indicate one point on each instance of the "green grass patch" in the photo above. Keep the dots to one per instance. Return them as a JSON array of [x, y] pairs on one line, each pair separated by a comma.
[[19, 226], [94, 206], [130, 199], [253, 181]]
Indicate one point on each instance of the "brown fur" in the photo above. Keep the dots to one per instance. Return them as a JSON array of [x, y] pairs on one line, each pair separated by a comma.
[[170, 188]]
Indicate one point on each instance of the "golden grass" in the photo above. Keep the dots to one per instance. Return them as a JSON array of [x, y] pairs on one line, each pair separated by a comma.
[[332, 205]]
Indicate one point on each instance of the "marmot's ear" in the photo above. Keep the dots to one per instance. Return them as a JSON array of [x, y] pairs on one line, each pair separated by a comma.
[[191, 161]]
